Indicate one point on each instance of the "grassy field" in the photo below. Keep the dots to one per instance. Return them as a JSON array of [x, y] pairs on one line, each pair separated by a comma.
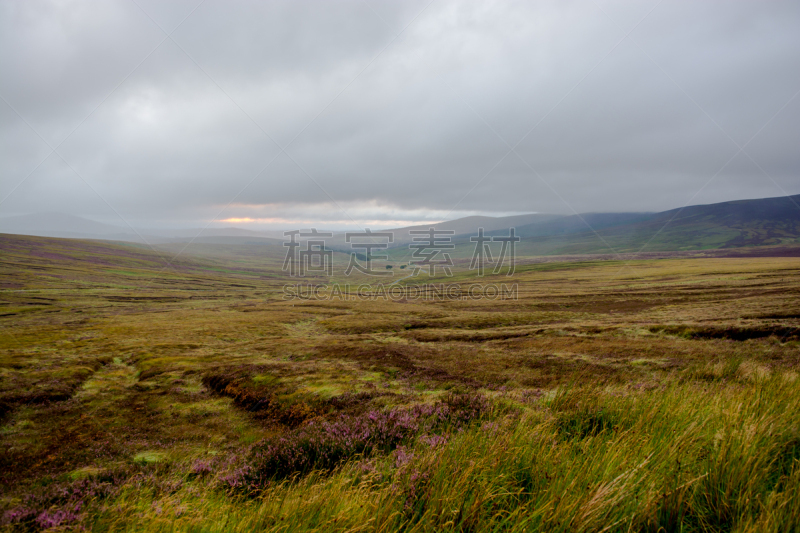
[[143, 393]]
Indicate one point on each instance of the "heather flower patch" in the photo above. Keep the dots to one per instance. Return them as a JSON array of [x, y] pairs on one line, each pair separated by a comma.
[[201, 467], [324, 444], [61, 504], [433, 441]]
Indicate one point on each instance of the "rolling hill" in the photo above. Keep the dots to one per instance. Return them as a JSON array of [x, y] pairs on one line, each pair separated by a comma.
[[760, 222]]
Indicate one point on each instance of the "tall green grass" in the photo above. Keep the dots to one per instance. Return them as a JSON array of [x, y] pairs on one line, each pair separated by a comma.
[[691, 456]]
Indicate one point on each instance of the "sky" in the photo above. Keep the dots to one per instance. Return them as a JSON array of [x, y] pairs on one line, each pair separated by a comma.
[[365, 113]]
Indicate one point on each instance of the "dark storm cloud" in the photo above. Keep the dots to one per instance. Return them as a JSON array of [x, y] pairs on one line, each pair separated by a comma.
[[394, 128]]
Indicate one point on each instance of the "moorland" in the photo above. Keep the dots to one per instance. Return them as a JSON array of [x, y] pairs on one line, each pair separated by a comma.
[[139, 390]]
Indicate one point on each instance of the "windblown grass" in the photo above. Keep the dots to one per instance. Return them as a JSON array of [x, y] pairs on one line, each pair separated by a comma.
[[658, 397], [685, 457]]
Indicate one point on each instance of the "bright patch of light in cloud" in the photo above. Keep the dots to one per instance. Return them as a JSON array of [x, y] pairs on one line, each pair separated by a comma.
[[345, 215]]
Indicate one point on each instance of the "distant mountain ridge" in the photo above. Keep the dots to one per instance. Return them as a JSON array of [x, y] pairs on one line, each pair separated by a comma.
[[70, 226], [767, 221], [45, 224], [761, 222]]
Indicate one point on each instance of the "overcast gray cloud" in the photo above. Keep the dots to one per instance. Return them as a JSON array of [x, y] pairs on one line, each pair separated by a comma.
[[393, 112]]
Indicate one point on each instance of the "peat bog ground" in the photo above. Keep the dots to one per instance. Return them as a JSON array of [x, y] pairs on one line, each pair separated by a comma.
[[645, 395]]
